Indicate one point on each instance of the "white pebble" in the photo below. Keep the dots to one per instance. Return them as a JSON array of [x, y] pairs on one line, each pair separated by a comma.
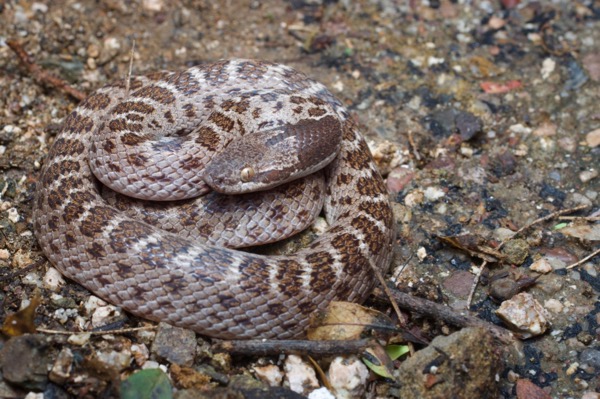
[[541, 266], [269, 374], [434, 193], [525, 315], [348, 376], [53, 280], [300, 377]]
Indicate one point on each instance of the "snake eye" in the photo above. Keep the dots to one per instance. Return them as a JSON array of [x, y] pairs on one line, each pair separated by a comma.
[[247, 174]]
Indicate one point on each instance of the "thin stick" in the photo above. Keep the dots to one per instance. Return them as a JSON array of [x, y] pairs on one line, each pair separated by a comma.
[[41, 76], [582, 218], [107, 332], [475, 283], [128, 81], [441, 312], [590, 256], [260, 347], [543, 219]]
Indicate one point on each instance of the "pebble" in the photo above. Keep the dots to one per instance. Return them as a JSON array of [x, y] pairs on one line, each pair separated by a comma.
[[348, 376], [434, 193], [24, 361], [461, 365], [140, 353], [270, 374], [541, 266], [525, 315], [591, 357], [113, 360], [61, 369], [588, 175], [79, 339], [414, 198], [175, 344], [53, 280], [300, 377], [554, 305], [593, 138], [321, 393], [590, 395], [104, 315]]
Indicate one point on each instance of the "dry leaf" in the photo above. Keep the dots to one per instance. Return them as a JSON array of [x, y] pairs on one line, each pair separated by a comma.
[[22, 322], [345, 321]]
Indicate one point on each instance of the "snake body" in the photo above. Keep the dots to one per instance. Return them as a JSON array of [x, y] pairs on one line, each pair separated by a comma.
[[233, 108]]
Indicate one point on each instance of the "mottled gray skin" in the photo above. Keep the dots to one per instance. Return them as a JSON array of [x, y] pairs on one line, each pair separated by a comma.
[[157, 274]]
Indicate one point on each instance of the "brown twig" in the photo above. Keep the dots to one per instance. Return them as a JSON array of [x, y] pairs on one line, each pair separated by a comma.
[[590, 256], [475, 283], [441, 312], [41, 76], [543, 219], [581, 218], [261, 347], [107, 332]]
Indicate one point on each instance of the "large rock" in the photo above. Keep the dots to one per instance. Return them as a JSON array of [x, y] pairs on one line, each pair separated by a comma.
[[462, 365]]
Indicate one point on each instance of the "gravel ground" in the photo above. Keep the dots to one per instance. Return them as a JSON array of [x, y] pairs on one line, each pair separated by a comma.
[[484, 116]]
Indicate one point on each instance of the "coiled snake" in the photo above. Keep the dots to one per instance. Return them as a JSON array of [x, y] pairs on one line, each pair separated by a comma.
[[147, 139]]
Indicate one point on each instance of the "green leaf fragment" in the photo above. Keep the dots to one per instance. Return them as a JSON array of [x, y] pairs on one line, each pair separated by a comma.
[[395, 351], [147, 384]]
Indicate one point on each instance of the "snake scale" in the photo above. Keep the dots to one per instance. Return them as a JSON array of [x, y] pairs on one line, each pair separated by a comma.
[[245, 112]]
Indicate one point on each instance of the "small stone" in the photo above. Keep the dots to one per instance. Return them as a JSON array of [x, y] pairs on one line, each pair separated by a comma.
[[61, 369], [4, 254], [432, 372], [590, 395], [524, 315], [459, 283], [79, 339], [434, 193], [153, 5], [398, 179], [300, 377], [114, 360], [591, 357], [53, 280], [270, 374], [348, 376], [414, 198], [554, 305], [321, 393], [541, 266], [572, 369], [140, 353], [104, 315], [588, 175], [516, 251], [24, 361], [175, 344], [593, 138]]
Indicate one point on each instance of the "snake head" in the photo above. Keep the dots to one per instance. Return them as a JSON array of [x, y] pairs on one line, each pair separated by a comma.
[[263, 160]]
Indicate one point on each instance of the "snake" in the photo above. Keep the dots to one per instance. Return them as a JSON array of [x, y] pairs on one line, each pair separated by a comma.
[[121, 200]]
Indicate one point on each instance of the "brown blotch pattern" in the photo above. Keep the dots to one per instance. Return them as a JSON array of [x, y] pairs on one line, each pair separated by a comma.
[[132, 139], [156, 93], [134, 106], [315, 112], [222, 121], [208, 138], [96, 220], [96, 102], [322, 273], [239, 107]]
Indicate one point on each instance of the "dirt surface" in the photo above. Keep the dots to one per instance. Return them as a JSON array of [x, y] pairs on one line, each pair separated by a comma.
[[484, 116]]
